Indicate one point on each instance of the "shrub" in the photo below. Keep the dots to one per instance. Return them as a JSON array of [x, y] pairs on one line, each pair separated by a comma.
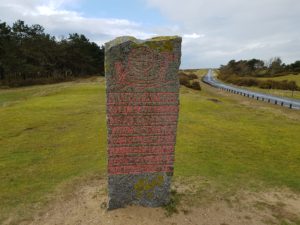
[[183, 80], [189, 80], [172, 206], [265, 84], [192, 76], [196, 85]]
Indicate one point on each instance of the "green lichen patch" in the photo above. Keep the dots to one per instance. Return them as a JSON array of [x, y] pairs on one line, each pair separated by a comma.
[[164, 38], [158, 46], [161, 46], [106, 67], [118, 41], [145, 187], [160, 43]]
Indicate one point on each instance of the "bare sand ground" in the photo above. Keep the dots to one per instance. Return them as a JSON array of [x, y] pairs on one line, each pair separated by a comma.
[[86, 205]]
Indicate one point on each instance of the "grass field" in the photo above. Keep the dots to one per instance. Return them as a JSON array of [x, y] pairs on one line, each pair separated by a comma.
[[290, 77], [55, 133], [283, 93], [48, 134], [278, 92]]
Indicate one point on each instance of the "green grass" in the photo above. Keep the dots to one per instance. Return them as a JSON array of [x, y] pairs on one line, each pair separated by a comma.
[[200, 73], [283, 93], [48, 134], [52, 134], [290, 77], [278, 92], [237, 144]]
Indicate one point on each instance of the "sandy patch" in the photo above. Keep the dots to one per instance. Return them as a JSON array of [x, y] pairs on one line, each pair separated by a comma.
[[87, 205]]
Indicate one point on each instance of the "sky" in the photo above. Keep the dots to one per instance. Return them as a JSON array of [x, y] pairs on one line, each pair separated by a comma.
[[213, 31]]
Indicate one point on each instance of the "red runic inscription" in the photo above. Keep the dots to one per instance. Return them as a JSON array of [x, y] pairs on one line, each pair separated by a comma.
[[142, 121]]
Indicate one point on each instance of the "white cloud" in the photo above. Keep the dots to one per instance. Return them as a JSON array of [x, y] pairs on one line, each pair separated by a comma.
[[213, 31], [58, 21], [235, 29], [48, 10], [193, 36]]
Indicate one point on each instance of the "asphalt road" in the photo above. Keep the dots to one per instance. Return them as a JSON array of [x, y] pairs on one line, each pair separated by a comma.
[[286, 102]]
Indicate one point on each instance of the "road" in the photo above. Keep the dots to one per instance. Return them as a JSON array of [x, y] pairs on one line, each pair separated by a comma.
[[286, 102]]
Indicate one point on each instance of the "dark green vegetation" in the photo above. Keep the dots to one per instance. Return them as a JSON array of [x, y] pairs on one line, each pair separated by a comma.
[[30, 56], [52, 134], [189, 80], [246, 72], [171, 207]]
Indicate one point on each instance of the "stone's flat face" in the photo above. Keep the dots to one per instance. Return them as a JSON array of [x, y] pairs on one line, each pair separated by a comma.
[[142, 91]]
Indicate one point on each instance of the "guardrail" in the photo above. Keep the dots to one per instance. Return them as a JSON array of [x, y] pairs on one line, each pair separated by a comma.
[[285, 102]]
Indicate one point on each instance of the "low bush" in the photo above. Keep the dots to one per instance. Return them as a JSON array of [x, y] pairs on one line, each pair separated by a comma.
[[189, 80], [196, 85], [172, 206], [184, 80], [192, 76], [265, 84]]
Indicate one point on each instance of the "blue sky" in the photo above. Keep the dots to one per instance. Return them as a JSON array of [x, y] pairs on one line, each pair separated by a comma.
[[213, 31], [134, 10]]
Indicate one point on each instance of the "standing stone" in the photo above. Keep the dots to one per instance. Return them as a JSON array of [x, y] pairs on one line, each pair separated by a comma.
[[142, 89]]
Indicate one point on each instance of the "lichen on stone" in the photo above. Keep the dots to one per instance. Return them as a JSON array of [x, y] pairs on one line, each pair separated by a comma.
[[146, 187], [163, 46], [160, 43], [163, 38], [118, 41]]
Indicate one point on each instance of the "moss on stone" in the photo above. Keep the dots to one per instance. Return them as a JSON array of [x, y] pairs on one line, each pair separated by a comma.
[[163, 38], [164, 46], [160, 43], [106, 67], [118, 41], [146, 187]]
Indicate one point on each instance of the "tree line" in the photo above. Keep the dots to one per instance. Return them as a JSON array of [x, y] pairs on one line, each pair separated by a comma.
[[245, 72], [29, 56]]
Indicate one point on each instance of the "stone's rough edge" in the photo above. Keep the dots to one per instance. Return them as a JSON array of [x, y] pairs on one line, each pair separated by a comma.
[[123, 39]]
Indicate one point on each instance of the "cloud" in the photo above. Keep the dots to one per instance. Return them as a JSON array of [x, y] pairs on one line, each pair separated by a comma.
[[213, 31], [60, 22], [235, 28], [193, 36]]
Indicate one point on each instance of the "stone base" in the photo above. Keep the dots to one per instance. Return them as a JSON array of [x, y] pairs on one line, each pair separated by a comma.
[[148, 189]]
